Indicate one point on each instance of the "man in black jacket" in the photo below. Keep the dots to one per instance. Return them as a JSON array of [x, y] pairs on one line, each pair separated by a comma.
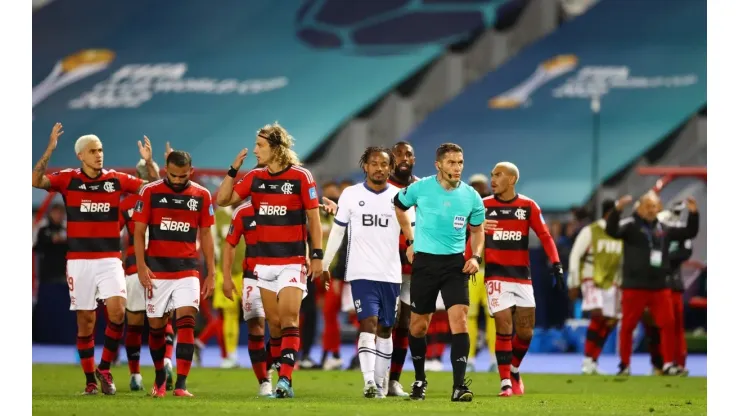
[[645, 271], [51, 246]]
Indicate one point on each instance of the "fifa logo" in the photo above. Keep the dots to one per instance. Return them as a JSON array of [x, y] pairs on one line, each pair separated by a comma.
[[70, 70]]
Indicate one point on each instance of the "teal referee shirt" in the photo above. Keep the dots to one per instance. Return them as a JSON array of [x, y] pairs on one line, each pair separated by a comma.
[[442, 216]]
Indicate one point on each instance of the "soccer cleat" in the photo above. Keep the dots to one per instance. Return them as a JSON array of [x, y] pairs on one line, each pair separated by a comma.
[[91, 389], [380, 394], [418, 390], [683, 372], [170, 381], [506, 390], [284, 390], [517, 384], [182, 393], [136, 383], [229, 362], [106, 381], [265, 389], [396, 389], [462, 393], [624, 370], [590, 367], [333, 363], [370, 390], [159, 391], [670, 370], [308, 364], [198, 347]]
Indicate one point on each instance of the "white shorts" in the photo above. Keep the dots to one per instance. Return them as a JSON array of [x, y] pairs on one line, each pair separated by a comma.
[[93, 279], [405, 295], [170, 294], [277, 277], [252, 300], [136, 301], [597, 298], [503, 295], [348, 304]]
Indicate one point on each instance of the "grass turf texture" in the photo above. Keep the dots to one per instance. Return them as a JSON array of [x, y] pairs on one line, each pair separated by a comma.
[[57, 388]]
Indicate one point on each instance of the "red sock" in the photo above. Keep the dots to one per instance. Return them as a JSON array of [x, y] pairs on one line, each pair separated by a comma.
[[113, 335], [275, 348], [133, 347], [504, 355], [185, 348], [169, 338], [519, 350], [289, 348], [400, 348], [86, 349], [258, 356]]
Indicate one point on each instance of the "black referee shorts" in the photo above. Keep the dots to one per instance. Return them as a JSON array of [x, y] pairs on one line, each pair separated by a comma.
[[434, 273]]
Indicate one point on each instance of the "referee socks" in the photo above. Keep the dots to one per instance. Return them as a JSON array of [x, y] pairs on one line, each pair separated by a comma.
[[459, 349], [418, 347]]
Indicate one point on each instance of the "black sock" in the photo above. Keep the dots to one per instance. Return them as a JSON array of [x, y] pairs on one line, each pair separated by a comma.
[[181, 381], [418, 347], [459, 351]]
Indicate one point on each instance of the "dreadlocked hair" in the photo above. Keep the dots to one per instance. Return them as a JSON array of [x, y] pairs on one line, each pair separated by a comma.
[[281, 142], [365, 158]]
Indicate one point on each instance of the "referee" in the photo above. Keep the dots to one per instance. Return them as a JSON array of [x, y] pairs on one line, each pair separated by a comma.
[[445, 206]]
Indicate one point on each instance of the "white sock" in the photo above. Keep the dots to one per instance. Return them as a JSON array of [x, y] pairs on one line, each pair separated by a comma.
[[384, 348], [514, 369], [167, 362], [366, 351]]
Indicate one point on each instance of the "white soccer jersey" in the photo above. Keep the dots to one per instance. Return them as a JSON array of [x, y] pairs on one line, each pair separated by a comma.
[[373, 230]]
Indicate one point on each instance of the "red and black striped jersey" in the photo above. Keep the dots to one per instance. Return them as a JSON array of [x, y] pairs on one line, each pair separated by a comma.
[[507, 246], [174, 218], [244, 223], [280, 201], [125, 219], [402, 246], [93, 231]]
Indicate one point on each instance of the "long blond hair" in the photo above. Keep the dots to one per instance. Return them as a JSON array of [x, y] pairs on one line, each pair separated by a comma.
[[281, 143]]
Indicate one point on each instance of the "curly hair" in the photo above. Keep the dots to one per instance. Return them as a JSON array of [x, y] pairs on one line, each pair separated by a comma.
[[365, 158], [281, 143]]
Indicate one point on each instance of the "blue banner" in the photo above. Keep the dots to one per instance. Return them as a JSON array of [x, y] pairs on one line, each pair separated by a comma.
[[645, 60], [207, 75]]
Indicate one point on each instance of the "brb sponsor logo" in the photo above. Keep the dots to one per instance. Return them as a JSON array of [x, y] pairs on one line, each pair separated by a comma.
[[272, 210], [167, 224], [503, 235], [89, 206]]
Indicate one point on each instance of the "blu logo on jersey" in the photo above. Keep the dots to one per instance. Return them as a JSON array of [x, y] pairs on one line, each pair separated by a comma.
[[370, 220]]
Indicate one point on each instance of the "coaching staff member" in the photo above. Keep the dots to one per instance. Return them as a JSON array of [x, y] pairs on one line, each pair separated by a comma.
[[645, 271], [445, 206]]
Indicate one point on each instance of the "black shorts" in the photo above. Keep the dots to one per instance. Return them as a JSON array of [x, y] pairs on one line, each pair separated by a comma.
[[434, 273]]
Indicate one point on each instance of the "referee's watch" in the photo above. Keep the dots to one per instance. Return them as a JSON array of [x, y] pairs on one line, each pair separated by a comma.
[[478, 259]]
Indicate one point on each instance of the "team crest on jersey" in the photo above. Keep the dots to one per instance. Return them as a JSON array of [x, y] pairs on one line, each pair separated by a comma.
[[458, 222], [287, 188], [109, 187], [520, 214], [193, 204], [139, 207]]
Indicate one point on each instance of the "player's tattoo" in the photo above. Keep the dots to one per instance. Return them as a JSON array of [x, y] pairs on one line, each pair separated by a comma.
[[39, 179], [524, 320]]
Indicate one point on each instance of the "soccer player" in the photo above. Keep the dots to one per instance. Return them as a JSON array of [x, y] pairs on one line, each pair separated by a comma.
[[135, 304], [92, 196], [595, 265], [284, 195], [510, 295], [373, 263], [445, 206], [244, 223], [173, 210]]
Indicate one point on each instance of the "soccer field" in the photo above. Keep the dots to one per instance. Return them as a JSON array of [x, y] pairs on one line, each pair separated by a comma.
[[57, 388]]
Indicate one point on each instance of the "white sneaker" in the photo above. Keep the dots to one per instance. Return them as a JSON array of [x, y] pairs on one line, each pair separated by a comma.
[[470, 368], [396, 389], [590, 367], [370, 390], [265, 389], [229, 362], [137, 383], [333, 363], [433, 365], [380, 394]]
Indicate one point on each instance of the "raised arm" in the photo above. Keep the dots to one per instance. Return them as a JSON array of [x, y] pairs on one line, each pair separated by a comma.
[[226, 194], [40, 180], [615, 228], [692, 225]]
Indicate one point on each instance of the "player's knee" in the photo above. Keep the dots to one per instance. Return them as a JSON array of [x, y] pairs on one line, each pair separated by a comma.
[[525, 334], [418, 327], [369, 325], [384, 332], [256, 326], [288, 321], [135, 318], [85, 322]]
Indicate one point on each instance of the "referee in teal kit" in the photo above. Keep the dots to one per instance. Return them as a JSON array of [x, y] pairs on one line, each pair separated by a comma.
[[445, 207]]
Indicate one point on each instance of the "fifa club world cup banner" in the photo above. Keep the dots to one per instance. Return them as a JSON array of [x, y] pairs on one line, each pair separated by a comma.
[[206, 77], [645, 60]]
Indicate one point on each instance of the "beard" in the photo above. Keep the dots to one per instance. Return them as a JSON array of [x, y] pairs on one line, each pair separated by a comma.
[[177, 187], [378, 181], [403, 175]]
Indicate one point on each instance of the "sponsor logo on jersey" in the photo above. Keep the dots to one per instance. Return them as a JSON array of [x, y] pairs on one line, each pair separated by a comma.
[[89, 206], [167, 224], [458, 222], [504, 235], [272, 210]]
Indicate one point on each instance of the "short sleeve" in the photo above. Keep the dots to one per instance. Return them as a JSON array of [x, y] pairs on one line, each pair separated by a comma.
[[129, 184], [206, 211], [407, 196], [478, 213], [343, 208], [309, 196], [236, 229], [243, 188], [59, 180], [143, 208]]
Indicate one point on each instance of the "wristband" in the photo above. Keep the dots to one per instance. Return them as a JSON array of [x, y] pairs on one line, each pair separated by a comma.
[[317, 254], [478, 259], [232, 172], [409, 242]]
